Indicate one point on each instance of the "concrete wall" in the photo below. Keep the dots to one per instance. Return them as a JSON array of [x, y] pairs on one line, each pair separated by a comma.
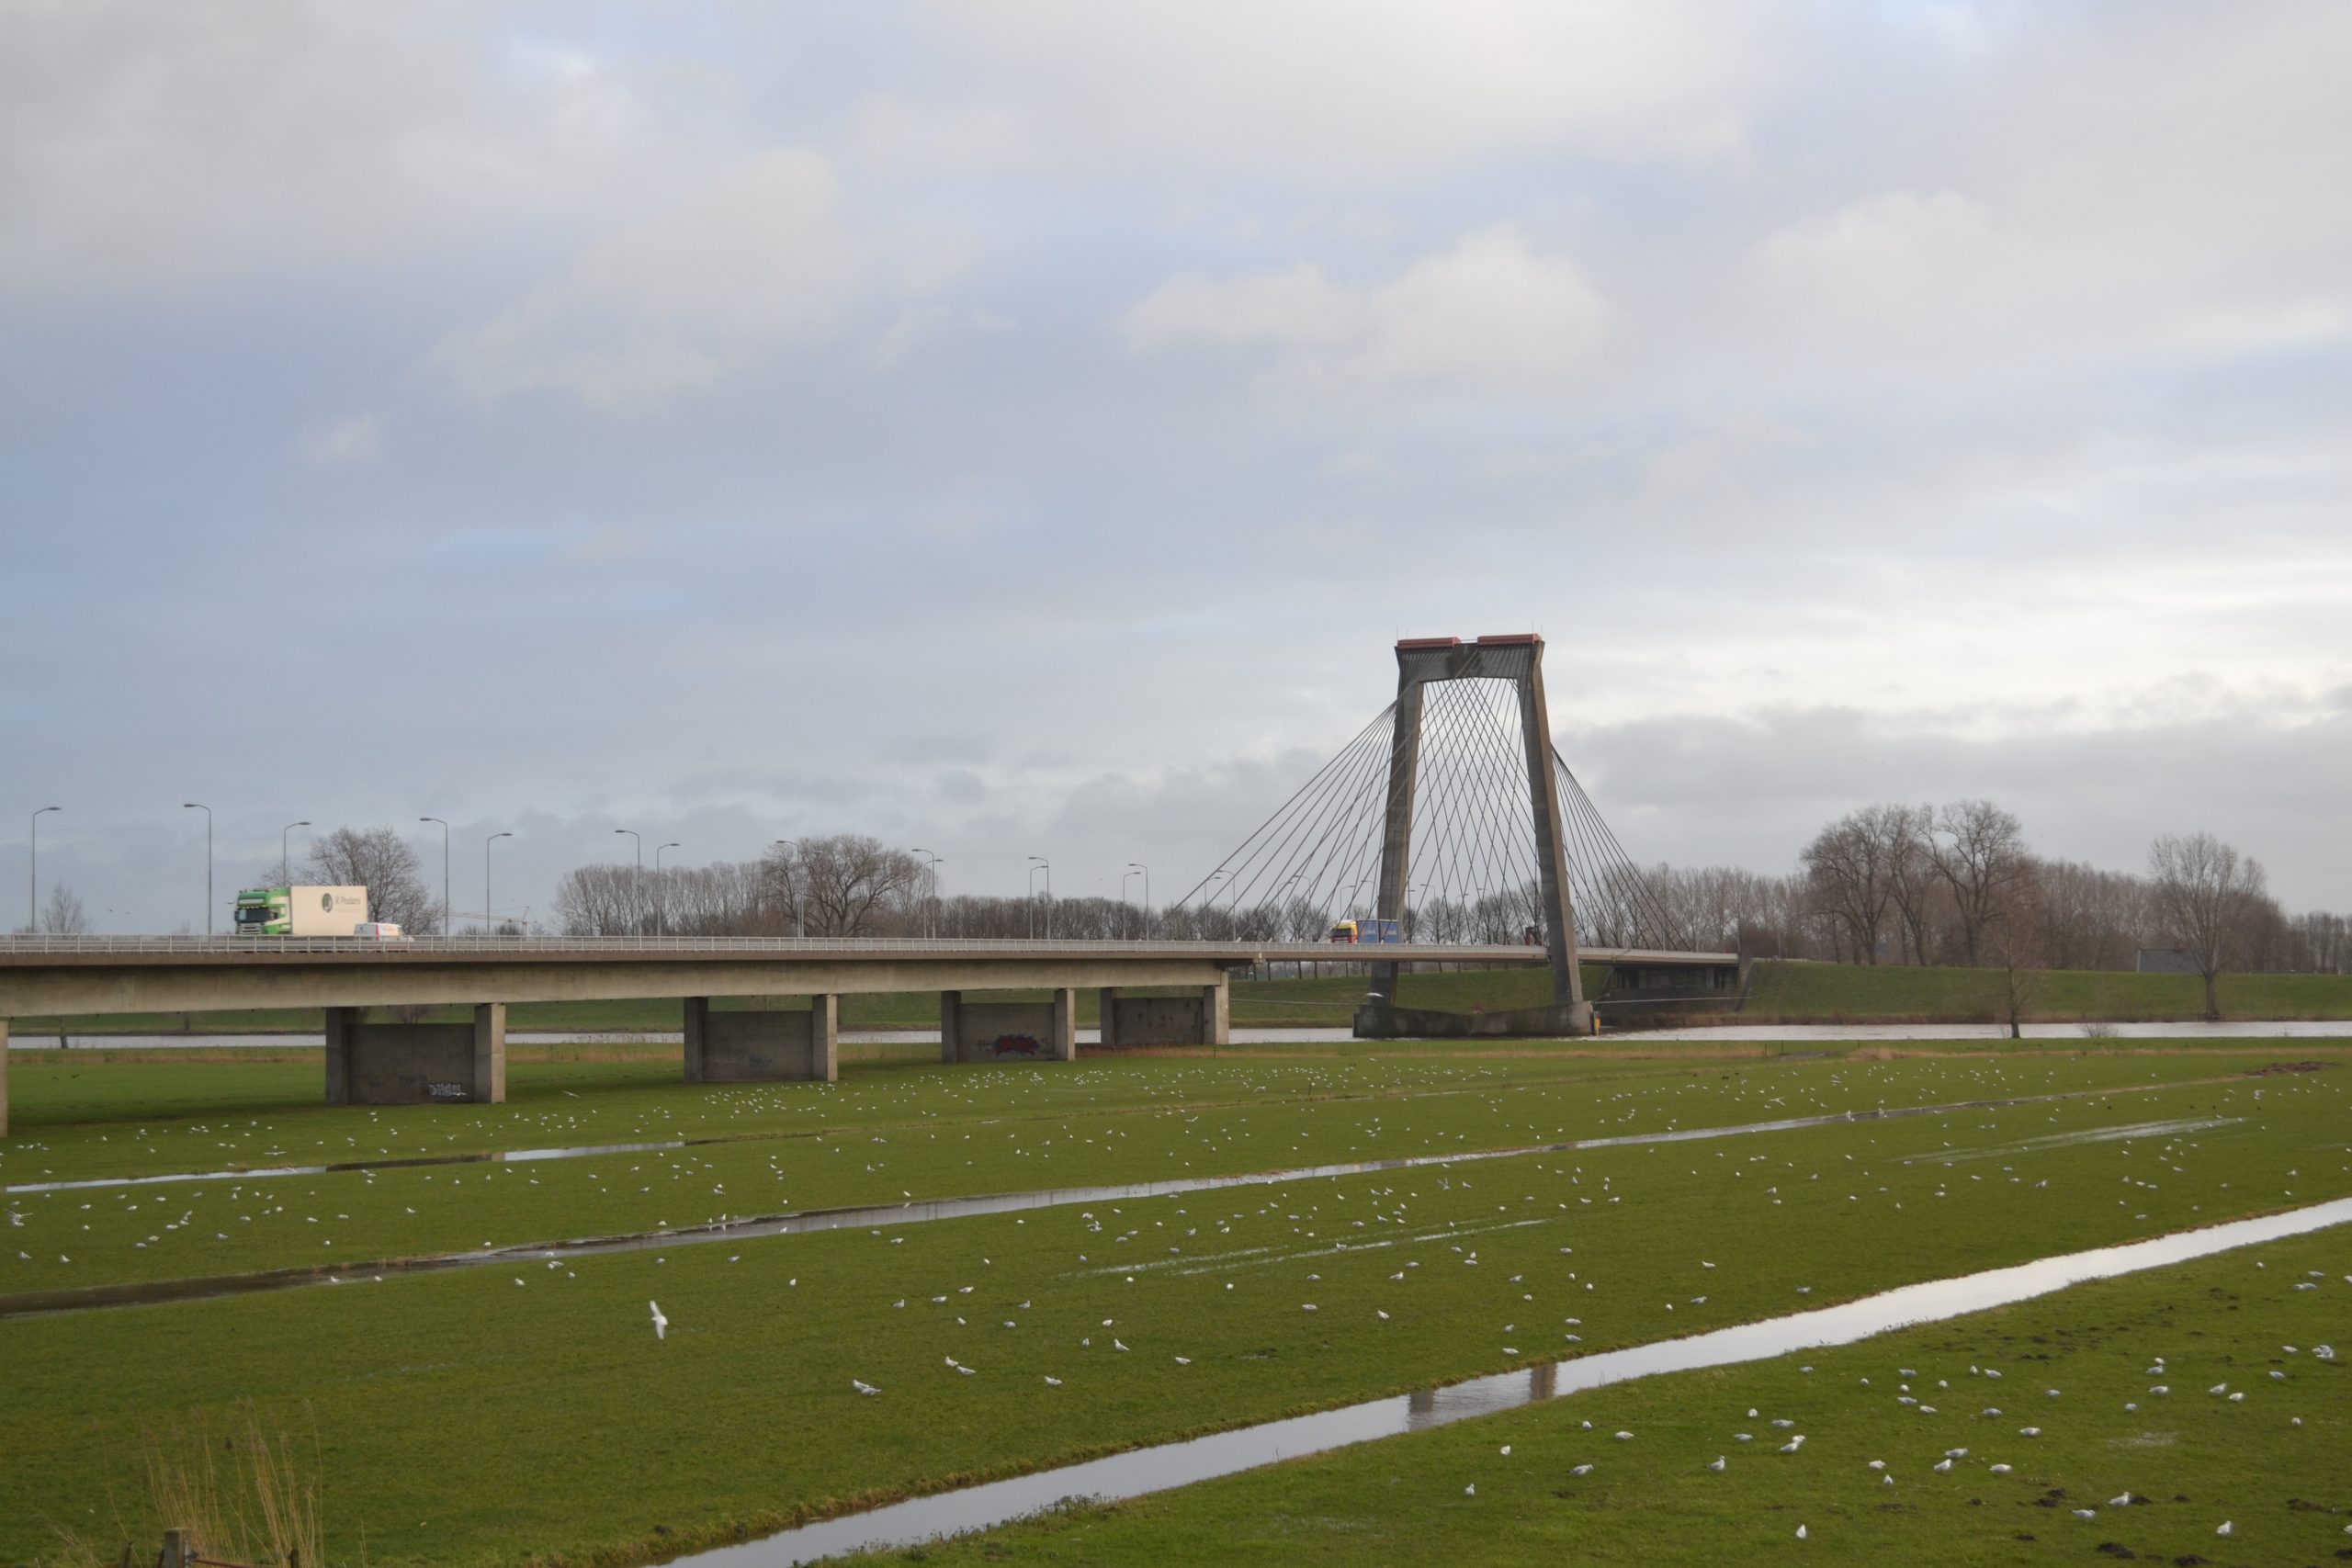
[[763, 1046], [1197, 1020], [417, 1064], [976, 1032]]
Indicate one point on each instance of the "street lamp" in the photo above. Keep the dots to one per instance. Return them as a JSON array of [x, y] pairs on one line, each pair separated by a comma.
[[661, 891], [1139, 865], [637, 882], [1037, 863], [489, 924], [285, 855], [447, 915], [798, 929], [930, 905], [32, 874], [195, 805], [1124, 877]]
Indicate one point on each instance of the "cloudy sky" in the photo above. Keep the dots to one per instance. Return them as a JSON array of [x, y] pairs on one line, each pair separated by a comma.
[[1023, 427]]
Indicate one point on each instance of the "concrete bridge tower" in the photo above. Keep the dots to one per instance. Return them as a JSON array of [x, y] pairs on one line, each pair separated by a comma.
[[1518, 659]]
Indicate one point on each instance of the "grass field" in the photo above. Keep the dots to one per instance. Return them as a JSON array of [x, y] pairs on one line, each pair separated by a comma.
[[527, 1412]]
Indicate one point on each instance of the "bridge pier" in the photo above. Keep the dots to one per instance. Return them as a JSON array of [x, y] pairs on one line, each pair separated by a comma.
[[763, 1047], [417, 1064], [1009, 1031], [4, 1077], [1199, 1019]]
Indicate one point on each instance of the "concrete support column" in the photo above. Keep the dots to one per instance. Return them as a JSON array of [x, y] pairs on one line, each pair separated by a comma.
[[1063, 1047], [343, 1025], [697, 1025], [4, 1077], [489, 1053], [1106, 1002], [825, 1039], [1216, 1014], [951, 1021]]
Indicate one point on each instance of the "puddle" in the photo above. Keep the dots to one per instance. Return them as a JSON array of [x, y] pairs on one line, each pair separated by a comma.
[[493, 1156], [1147, 1470], [2126, 1133], [147, 1292]]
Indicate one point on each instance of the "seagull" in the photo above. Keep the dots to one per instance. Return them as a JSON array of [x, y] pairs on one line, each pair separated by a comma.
[[1053, 1383], [661, 1323], [1117, 1344], [861, 1387], [2085, 1513], [1942, 1467], [2225, 1530], [1581, 1470], [2122, 1502], [1800, 1532], [1718, 1465]]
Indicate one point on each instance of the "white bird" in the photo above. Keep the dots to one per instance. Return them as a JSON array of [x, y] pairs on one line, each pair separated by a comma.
[[2226, 1528], [1625, 1436], [1943, 1467], [1718, 1465], [1117, 1344], [1053, 1383], [1471, 1490], [661, 1323], [1187, 1360], [2000, 1469], [2030, 1432], [1878, 1465], [1506, 1450], [1793, 1444], [2122, 1502], [1581, 1470], [863, 1387], [2085, 1513], [1800, 1532]]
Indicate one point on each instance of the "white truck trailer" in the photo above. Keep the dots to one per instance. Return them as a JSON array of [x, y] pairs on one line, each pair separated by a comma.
[[300, 911]]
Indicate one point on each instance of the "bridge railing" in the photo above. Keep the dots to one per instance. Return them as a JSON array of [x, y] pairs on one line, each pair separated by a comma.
[[263, 947]]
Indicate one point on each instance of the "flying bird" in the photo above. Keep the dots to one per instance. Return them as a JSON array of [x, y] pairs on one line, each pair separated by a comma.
[[661, 1323]]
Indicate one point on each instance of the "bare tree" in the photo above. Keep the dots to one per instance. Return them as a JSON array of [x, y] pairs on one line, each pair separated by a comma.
[[2205, 897], [1979, 850], [2012, 939], [1911, 878], [849, 879], [1849, 865], [380, 860], [62, 914]]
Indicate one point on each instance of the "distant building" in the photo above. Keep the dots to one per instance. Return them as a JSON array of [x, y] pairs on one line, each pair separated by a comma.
[[2168, 961]]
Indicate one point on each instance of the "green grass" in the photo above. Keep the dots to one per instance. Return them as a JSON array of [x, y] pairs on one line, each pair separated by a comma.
[[2190, 1459], [464, 1418]]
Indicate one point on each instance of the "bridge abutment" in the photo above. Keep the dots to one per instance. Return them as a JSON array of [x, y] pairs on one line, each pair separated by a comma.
[[782, 1047], [417, 1064], [1008, 1031]]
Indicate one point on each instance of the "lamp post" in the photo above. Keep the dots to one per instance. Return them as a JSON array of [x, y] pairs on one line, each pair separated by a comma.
[[1139, 865], [635, 882], [447, 915], [661, 891], [798, 929], [1124, 877], [488, 923], [930, 905], [197, 805], [1047, 868], [32, 874], [286, 855]]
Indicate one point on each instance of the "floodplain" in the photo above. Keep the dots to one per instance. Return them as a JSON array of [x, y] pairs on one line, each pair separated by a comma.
[[526, 1409]]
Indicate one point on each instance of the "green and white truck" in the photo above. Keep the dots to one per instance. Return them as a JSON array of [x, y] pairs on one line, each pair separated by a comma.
[[300, 911]]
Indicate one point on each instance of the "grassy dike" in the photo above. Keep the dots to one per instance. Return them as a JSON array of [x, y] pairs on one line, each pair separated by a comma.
[[527, 1413]]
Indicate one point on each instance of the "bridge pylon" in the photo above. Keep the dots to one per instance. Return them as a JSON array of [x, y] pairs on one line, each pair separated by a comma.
[[1517, 658]]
